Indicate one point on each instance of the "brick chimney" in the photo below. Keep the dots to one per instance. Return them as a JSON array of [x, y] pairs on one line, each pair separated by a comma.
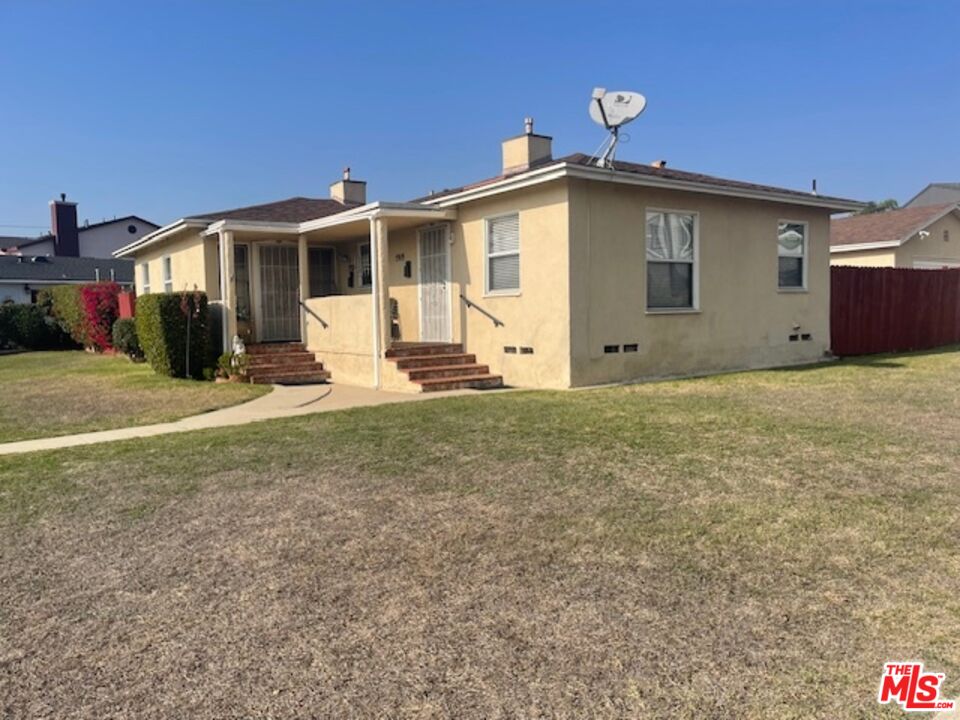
[[349, 191], [63, 227], [524, 151]]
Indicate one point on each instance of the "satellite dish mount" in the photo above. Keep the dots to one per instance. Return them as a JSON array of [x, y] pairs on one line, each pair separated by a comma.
[[612, 110]]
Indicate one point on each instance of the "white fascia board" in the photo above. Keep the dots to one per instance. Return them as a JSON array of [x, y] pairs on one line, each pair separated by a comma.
[[857, 247], [515, 182], [401, 210], [375, 210], [252, 226], [627, 178], [561, 170], [157, 235]]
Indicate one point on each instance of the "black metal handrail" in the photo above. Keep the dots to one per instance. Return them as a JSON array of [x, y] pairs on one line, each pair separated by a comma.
[[319, 319], [471, 304]]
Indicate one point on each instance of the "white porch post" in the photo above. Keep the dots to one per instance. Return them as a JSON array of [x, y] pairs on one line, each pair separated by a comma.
[[303, 265], [383, 246], [379, 295], [228, 288]]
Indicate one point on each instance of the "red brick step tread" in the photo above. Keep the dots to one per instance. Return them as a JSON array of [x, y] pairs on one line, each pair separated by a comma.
[[422, 361], [447, 371], [457, 383], [417, 350]]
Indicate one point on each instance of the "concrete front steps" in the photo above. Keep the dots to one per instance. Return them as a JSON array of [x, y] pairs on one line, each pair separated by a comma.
[[288, 363], [432, 367]]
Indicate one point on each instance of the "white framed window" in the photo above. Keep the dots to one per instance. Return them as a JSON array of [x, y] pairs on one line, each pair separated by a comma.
[[366, 269], [791, 255], [672, 257], [145, 277], [502, 254], [167, 274]]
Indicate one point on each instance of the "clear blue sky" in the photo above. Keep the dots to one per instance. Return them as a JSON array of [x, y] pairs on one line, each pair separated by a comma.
[[164, 109]]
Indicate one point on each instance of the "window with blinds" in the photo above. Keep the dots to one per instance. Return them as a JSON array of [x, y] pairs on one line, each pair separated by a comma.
[[503, 254]]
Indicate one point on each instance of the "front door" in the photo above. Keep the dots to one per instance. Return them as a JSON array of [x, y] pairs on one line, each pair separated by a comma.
[[279, 293], [434, 285]]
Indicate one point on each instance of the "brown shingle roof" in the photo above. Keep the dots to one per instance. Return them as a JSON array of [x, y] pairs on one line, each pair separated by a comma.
[[292, 210], [651, 171], [889, 226]]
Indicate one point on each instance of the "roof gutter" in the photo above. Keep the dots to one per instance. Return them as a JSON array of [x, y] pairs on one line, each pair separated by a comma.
[[570, 170], [157, 235], [855, 247]]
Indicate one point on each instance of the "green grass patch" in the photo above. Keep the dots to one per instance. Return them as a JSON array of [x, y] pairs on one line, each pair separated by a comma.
[[61, 393]]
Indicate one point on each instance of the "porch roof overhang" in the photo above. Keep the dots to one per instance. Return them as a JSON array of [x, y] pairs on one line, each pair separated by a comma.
[[354, 221], [350, 222]]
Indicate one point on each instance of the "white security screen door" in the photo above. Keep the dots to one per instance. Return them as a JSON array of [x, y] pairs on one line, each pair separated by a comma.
[[279, 293], [434, 285]]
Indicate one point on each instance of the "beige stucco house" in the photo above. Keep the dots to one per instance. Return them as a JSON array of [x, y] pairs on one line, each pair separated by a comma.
[[553, 274], [924, 236]]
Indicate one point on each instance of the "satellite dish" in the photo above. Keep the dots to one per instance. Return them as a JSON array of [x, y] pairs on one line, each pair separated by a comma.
[[614, 110]]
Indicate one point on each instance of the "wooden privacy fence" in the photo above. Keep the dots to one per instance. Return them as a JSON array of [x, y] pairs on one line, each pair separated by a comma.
[[874, 310]]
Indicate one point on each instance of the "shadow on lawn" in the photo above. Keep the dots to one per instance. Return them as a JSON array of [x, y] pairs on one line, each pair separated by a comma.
[[880, 361]]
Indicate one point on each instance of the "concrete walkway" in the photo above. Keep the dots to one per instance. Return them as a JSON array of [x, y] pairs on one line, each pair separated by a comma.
[[284, 401]]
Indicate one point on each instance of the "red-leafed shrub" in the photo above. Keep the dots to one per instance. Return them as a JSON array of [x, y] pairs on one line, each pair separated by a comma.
[[100, 311]]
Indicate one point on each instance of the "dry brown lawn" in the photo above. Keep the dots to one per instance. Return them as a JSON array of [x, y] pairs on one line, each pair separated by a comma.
[[746, 546]]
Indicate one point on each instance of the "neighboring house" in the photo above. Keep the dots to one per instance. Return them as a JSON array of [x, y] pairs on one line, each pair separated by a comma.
[[67, 238], [23, 276], [925, 236], [67, 254], [555, 273], [936, 194]]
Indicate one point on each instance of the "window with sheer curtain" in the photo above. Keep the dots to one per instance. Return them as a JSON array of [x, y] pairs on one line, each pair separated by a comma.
[[791, 253], [503, 254], [671, 259], [167, 274]]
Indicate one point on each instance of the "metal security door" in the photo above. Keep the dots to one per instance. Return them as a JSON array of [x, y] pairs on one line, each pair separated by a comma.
[[434, 285], [279, 293]]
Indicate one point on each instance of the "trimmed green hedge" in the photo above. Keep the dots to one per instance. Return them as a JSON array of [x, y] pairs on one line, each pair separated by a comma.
[[64, 304], [162, 330], [29, 327], [125, 338]]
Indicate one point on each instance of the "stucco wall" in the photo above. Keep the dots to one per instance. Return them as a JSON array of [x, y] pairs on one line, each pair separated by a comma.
[[345, 343], [538, 316], [402, 248], [743, 321], [932, 247], [871, 258], [194, 263]]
